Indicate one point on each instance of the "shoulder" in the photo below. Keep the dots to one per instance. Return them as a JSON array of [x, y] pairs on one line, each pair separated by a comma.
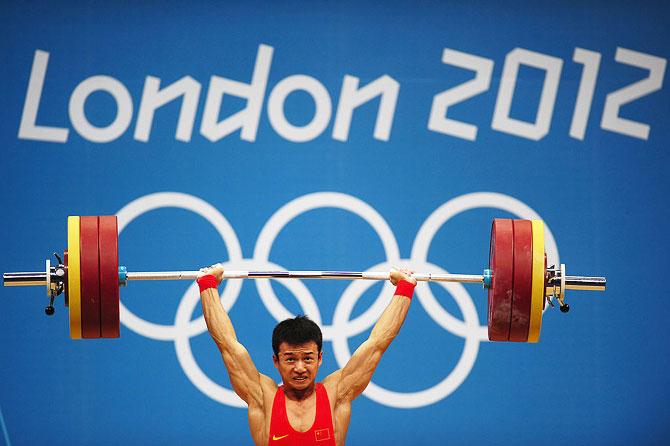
[[268, 385], [331, 384], [331, 381], [268, 388]]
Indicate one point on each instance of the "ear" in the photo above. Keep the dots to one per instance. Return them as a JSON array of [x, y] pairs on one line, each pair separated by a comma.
[[275, 360], [320, 357]]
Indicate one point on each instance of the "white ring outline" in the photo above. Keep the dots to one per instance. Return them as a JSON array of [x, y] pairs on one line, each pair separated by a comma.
[[305, 203], [189, 301], [433, 394], [160, 200]]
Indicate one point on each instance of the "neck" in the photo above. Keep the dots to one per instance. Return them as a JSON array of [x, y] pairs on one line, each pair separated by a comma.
[[299, 395]]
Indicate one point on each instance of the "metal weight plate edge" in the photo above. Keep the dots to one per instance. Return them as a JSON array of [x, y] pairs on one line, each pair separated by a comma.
[[538, 290], [66, 295], [73, 277]]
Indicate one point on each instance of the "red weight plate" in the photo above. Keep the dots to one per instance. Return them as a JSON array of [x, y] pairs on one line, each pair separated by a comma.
[[523, 280], [109, 277], [90, 278], [501, 263]]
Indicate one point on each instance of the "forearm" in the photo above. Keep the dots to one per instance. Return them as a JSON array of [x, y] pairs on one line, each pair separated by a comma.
[[218, 322], [356, 375], [388, 325]]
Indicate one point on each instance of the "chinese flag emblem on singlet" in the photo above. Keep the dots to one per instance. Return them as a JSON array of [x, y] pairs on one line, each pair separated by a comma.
[[322, 434]]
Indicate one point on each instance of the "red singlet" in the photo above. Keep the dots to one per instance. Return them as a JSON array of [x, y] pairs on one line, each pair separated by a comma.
[[320, 434]]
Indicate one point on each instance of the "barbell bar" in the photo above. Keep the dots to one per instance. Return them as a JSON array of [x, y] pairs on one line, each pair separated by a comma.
[[518, 281]]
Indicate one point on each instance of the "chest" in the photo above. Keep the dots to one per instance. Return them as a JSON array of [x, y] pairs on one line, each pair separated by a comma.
[[301, 415]]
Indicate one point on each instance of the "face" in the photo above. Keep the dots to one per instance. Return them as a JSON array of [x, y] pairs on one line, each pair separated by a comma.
[[298, 364]]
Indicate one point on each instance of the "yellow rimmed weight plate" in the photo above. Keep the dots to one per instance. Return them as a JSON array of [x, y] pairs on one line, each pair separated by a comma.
[[538, 288], [73, 276]]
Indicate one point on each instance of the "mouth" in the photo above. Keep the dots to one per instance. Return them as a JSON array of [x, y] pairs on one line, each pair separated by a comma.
[[300, 379]]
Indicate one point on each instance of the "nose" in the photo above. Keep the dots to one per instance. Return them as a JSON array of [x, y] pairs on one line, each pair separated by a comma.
[[299, 367]]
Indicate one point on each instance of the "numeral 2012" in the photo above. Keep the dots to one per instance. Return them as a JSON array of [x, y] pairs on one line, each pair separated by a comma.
[[483, 68]]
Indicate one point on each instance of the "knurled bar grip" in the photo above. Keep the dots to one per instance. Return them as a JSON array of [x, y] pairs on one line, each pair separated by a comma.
[[333, 275]]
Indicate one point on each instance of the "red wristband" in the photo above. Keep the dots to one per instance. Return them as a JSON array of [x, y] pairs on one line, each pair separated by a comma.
[[405, 289], [207, 282]]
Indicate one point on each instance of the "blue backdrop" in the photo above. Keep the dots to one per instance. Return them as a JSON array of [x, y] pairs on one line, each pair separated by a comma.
[[340, 135]]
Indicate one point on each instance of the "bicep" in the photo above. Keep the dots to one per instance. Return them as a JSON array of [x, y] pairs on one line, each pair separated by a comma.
[[357, 373], [244, 376]]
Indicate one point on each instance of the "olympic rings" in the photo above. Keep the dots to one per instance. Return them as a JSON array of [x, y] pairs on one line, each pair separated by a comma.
[[342, 328]]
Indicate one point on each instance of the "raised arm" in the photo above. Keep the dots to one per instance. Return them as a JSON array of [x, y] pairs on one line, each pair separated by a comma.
[[357, 373], [244, 377]]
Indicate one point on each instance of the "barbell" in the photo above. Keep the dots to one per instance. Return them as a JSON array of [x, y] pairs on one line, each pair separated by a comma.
[[518, 281]]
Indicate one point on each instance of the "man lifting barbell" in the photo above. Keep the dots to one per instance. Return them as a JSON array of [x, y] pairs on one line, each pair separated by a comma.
[[301, 410]]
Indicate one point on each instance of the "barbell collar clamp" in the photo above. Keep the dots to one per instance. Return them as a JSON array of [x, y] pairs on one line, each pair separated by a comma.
[[123, 276]]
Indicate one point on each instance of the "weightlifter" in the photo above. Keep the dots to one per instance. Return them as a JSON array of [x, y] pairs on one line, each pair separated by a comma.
[[302, 411]]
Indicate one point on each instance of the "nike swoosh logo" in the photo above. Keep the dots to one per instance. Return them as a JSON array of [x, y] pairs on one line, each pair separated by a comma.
[[274, 437]]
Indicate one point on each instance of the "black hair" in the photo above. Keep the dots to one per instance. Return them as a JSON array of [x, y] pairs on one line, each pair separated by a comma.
[[298, 330]]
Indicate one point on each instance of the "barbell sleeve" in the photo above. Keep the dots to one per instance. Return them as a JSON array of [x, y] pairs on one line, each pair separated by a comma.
[[25, 279]]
